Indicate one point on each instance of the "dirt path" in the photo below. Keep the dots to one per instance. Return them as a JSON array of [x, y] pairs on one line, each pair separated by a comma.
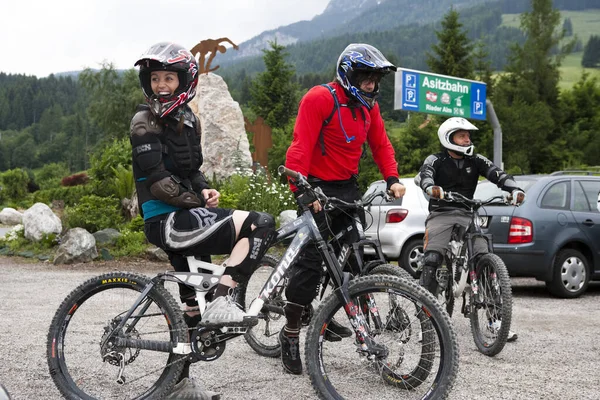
[[557, 355]]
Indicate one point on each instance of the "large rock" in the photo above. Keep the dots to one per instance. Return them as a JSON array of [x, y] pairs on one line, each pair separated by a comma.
[[225, 144], [39, 220], [78, 245], [106, 236], [10, 216], [287, 216]]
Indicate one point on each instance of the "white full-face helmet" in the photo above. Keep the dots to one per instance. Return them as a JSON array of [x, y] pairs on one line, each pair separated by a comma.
[[447, 129]]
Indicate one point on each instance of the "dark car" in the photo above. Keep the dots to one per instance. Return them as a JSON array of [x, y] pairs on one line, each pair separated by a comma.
[[554, 236]]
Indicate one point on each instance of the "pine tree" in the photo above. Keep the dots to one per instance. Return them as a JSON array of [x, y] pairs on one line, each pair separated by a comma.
[[274, 92], [482, 67], [526, 96], [591, 53], [568, 27], [452, 54], [536, 62]]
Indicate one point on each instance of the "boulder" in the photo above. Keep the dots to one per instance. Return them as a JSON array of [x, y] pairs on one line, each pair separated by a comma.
[[10, 216], [225, 145], [78, 245], [287, 216], [39, 220], [106, 236]]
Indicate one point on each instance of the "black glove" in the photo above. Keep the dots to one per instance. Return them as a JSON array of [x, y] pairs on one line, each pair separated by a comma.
[[305, 198]]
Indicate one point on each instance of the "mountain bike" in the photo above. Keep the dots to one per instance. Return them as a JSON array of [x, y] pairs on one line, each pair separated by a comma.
[[483, 281], [263, 337], [122, 335]]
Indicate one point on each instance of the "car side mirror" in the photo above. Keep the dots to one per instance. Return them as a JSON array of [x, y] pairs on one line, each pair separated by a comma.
[[598, 201]]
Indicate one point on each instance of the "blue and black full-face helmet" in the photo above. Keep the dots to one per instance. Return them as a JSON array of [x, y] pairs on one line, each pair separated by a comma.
[[361, 61]]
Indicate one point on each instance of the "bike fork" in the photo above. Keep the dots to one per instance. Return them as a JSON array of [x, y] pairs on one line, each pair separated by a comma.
[[358, 319]]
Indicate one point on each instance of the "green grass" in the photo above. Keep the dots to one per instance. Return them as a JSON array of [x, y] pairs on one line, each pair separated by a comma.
[[571, 70], [585, 23]]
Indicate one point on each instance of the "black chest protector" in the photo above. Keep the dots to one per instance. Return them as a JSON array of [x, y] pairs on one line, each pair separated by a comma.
[[160, 149], [182, 153], [456, 176]]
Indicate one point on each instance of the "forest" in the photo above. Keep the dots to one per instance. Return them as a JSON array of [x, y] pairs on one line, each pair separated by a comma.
[[67, 120]]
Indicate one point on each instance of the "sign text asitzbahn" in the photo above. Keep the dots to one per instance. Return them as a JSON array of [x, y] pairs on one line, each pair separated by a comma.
[[439, 94]]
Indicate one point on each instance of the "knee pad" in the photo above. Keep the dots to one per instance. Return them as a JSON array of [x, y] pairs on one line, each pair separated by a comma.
[[432, 259], [260, 239]]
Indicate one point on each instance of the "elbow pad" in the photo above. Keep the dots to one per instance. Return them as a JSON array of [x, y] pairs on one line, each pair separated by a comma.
[[170, 192]]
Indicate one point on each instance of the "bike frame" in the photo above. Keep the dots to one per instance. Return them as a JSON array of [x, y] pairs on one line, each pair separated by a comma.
[[306, 232], [459, 238]]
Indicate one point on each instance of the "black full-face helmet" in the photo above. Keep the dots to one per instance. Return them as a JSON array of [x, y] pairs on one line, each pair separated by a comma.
[[168, 56], [358, 61]]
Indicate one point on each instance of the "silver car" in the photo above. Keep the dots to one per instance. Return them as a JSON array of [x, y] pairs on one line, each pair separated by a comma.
[[399, 225]]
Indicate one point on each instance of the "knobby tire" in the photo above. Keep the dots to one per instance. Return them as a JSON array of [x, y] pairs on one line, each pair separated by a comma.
[[83, 319]]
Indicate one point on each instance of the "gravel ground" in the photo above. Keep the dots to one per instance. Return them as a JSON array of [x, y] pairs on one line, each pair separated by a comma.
[[556, 356]]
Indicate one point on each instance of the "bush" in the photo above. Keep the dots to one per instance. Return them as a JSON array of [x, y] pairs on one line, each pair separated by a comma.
[[135, 225], [123, 184], [50, 175], [94, 213], [256, 192], [14, 185], [130, 244], [104, 163], [70, 195], [75, 179]]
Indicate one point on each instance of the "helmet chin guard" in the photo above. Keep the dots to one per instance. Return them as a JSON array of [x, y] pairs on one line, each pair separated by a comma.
[[360, 58], [167, 56]]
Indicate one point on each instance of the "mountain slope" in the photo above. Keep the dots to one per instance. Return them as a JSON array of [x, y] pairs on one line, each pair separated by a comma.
[[348, 17]]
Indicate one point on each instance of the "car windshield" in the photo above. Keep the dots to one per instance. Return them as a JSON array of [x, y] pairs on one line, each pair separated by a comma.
[[486, 189]]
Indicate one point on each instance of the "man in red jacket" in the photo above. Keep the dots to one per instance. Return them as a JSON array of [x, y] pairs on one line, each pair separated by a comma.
[[333, 123]]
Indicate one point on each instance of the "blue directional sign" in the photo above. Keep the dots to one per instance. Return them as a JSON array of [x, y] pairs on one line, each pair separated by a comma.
[[439, 94]]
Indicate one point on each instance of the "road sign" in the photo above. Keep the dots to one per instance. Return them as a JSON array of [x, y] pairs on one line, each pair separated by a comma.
[[439, 94]]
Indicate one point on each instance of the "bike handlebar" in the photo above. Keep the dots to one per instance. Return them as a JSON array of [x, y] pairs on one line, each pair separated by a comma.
[[288, 172], [301, 182], [459, 198]]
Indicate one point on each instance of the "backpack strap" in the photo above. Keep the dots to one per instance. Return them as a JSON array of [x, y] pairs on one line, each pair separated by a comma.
[[327, 120]]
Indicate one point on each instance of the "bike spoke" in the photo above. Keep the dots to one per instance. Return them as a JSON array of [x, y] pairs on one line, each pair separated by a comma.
[[407, 335]]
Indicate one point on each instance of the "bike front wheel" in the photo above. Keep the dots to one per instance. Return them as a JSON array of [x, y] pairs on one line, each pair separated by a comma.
[[417, 348], [491, 305], [89, 358]]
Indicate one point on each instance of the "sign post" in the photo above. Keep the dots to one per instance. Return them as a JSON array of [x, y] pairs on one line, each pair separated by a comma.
[[439, 94]]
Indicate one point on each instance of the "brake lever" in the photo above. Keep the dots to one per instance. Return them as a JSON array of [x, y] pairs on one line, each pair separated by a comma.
[[387, 196]]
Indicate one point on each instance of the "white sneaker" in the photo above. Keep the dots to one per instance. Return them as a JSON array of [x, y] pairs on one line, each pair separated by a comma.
[[494, 327], [190, 389], [223, 311]]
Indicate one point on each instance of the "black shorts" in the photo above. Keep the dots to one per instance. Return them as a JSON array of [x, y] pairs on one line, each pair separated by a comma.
[[195, 232]]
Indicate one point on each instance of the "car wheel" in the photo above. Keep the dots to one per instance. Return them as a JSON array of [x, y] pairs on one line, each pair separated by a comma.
[[570, 274], [411, 254]]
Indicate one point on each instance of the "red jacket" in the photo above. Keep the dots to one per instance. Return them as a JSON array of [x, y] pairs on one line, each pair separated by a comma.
[[341, 158]]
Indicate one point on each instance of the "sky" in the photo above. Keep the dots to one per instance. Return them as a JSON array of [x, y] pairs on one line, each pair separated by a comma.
[[40, 37]]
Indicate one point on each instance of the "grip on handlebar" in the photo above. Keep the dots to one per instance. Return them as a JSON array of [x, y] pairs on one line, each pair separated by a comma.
[[287, 172]]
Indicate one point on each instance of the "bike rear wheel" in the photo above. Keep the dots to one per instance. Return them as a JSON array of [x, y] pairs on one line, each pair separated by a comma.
[[491, 306], [421, 345], [83, 368]]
